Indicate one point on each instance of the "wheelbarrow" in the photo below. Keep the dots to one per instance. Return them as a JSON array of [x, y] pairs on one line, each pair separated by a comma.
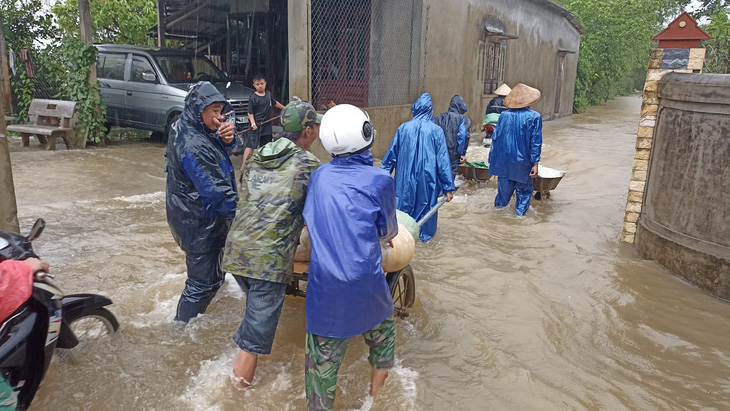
[[474, 170], [402, 283], [547, 179]]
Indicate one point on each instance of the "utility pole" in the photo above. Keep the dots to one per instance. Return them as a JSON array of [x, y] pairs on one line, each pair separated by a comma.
[[8, 206], [4, 73], [160, 23], [87, 32], [87, 36]]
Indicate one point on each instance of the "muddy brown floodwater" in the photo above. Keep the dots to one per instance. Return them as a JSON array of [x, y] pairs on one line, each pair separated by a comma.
[[545, 312]]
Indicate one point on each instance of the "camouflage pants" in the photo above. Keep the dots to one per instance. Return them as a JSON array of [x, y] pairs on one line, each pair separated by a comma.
[[323, 357]]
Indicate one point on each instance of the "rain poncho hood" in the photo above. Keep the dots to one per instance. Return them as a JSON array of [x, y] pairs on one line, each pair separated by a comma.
[[458, 105], [420, 158], [265, 232], [350, 209], [456, 130], [276, 154], [516, 144], [201, 187]]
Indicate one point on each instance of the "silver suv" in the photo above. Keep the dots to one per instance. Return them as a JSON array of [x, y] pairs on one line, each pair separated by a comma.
[[145, 87]]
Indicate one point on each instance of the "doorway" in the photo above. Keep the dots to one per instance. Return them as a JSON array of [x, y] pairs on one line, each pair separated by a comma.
[[340, 52], [559, 82]]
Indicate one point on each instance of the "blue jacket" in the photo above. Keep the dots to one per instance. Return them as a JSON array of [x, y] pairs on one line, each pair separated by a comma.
[[422, 167], [350, 209], [201, 185], [516, 144], [496, 105], [456, 128]]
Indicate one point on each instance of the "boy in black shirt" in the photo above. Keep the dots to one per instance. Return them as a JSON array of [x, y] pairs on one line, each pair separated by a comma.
[[259, 111]]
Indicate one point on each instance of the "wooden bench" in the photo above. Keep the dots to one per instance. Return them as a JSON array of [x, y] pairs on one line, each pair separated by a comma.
[[52, 119]]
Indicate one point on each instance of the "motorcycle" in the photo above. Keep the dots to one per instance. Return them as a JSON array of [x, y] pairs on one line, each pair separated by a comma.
[[47, 321], [489, 123]]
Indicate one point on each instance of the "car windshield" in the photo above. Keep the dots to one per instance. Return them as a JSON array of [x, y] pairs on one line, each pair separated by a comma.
[[189, 69]]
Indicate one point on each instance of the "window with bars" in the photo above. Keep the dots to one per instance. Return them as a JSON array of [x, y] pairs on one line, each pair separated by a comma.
[[492, 54]]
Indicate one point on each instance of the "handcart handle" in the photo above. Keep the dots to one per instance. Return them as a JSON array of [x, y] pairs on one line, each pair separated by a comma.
[[260, 124], [433, 211]]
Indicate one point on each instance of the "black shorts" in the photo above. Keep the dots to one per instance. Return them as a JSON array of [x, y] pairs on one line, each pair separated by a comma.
[[253, 139]]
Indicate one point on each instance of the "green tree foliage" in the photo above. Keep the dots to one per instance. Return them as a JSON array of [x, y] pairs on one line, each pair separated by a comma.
[[712, 6], [114, 21], [615, 49], [61, 65], [24, 21], [717, 59]]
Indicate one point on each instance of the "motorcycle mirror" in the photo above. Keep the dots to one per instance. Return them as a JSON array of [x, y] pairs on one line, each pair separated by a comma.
[[37, 229]]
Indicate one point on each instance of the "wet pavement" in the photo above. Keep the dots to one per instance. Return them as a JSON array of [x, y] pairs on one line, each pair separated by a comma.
[[548, 311]]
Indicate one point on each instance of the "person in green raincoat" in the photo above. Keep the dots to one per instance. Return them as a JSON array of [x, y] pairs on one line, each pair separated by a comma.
[[261, 243]]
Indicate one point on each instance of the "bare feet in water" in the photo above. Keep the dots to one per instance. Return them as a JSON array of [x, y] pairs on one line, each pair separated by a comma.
[[377, 381]]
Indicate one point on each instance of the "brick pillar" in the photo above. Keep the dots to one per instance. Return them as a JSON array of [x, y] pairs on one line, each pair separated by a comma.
[[661, 62]]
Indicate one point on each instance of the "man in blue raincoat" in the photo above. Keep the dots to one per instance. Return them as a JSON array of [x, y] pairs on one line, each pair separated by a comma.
[[349, 210], [496, 105], [422, 168], [456, 130], [516, 148], [201, 193]]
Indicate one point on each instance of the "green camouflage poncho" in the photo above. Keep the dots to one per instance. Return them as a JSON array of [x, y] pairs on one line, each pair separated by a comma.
[[264, 235]]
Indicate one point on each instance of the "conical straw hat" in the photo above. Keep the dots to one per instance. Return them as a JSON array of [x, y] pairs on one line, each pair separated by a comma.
[[503, 90], [522, 96]]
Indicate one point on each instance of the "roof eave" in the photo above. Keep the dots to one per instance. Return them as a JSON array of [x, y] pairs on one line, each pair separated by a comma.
[[565, 13]]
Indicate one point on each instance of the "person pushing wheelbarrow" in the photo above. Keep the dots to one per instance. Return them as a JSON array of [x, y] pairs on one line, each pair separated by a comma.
[[350, 209]]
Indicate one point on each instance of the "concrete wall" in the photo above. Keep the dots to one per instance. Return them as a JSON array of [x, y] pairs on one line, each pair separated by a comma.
[[453, 45], [449, 46], [435, 49], [645, 134], [684, 224]]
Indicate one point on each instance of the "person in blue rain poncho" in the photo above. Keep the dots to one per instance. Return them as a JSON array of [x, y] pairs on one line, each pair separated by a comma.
[[420, 158], [201, 193], [349, 210], [516, 147], [456, 130]]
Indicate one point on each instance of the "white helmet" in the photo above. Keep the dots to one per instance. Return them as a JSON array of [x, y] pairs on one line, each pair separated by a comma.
[[346, 130]]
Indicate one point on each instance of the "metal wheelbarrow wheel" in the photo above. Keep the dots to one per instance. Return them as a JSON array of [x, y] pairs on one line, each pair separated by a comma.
[[403, 289]]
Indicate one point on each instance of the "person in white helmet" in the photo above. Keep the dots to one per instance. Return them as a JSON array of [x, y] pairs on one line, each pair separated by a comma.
[[350, 209]]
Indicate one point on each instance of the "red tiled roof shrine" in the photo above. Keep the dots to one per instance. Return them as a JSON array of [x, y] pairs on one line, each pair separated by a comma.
[[682, 33]]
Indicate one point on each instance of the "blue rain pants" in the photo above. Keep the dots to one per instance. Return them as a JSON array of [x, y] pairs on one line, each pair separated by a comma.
[[507, 187], [205, 277]]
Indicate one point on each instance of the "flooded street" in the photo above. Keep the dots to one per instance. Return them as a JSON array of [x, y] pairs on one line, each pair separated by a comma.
[[545, 312]]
